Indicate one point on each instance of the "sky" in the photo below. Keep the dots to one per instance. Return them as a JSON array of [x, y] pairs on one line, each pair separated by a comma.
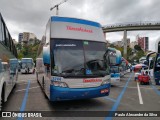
[[32, 15]]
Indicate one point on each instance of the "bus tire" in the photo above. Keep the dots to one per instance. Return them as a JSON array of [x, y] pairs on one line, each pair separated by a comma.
[[37, 78], [3, 95], [43, 82], [43, 88], [15, 85]]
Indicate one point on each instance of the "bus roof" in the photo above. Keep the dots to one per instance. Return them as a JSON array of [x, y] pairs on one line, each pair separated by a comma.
[[75, 20], [14, 59], [74, 28]]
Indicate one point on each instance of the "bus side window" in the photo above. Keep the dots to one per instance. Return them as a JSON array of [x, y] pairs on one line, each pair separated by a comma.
[[158, 62], [0, 67], [4, 67], [47, 68]]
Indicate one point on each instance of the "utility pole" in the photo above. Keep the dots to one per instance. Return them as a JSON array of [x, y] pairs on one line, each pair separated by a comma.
[[125, 44], [57, 6]]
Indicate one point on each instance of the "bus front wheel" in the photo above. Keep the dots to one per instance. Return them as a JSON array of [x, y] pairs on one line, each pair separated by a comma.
[[3, 95]]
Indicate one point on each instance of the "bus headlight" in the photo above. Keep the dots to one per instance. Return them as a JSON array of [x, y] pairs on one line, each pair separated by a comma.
[[59, 84], [105, 82]]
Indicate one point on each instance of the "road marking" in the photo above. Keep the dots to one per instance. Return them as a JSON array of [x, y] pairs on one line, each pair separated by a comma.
[[24, 80], [116, 104], [25, 89], [24, 101], [139, 94], [23, 83], [146, 87], [155, 89], [111, 99]]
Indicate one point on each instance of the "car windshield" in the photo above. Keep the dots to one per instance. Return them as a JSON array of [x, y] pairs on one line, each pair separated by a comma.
[[77, 58]]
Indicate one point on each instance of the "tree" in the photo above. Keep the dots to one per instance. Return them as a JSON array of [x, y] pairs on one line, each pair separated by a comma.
[[137, 47], [19, 46], [29, 50]]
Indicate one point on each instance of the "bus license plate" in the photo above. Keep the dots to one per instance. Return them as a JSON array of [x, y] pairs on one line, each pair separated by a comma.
[[104, 91]]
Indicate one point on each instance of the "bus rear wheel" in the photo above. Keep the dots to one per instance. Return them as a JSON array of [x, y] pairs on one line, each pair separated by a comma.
[[3, 95]]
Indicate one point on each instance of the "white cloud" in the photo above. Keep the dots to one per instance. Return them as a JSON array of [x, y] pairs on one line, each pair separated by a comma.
[[32, 15]]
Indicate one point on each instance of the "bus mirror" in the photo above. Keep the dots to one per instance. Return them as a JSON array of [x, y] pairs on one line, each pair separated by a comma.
[[105, 57]]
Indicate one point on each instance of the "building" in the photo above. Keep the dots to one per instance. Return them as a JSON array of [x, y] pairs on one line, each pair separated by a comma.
[[128, 42], [28, 37], [118, 43], [15, 42], [132, 44], [20, 37], [107, 43], [25, 37], [143, 42]]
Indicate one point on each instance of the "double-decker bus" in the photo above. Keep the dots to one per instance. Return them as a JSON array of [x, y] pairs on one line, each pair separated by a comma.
[[8, 69], [74, 60], [115, 61], [27, 65], [156, 64]]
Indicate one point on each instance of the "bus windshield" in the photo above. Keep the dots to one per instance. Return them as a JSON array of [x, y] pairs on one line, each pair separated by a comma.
[[158, 61], [114, 69], [27, 63], [77, 58], [27, 60]]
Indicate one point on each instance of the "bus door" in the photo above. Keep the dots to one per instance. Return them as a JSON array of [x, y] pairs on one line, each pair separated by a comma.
[[6, 77], [46, 80], [13, 68]]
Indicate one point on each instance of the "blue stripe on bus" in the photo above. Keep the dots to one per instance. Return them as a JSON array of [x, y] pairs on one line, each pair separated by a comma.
[[74, 20]]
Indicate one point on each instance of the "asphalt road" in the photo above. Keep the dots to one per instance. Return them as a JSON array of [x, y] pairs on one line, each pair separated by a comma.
[[126, 96]]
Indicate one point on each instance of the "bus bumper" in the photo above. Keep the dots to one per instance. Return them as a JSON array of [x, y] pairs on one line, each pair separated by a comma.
[[24, 71], [115, 80], [61, 94]]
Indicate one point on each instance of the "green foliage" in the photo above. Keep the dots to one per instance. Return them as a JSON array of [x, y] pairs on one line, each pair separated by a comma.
[[28, 51], [139, 54], [137, 47], [20, 56], [19, 46], [130, 57]]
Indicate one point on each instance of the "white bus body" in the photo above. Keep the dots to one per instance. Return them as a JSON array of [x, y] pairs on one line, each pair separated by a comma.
[[27, 65], [72, 51], [8, 78], [8, 69]]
